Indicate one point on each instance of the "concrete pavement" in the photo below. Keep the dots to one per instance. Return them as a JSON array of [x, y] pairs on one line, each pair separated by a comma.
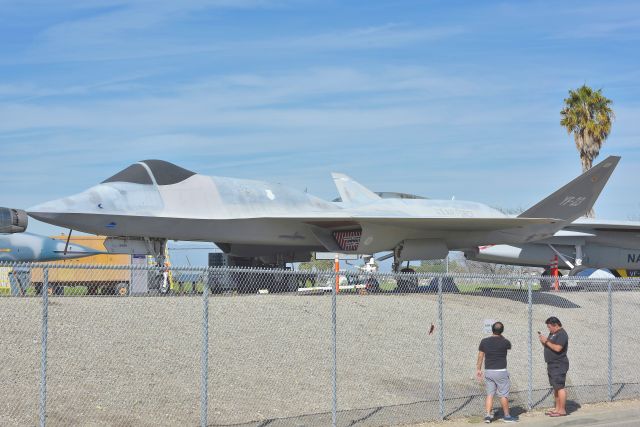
[[617, 414]]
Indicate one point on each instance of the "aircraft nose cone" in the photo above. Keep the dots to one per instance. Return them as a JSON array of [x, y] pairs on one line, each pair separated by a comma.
[[46, 211], [77, 212], [56, 209]]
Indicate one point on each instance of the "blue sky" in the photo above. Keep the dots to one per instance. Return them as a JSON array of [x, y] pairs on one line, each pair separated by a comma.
[[437, 98]]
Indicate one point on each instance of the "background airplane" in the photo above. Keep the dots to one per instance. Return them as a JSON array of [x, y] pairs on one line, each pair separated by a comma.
[[13, 220], [28, 247], [585, 243], [262, 223]]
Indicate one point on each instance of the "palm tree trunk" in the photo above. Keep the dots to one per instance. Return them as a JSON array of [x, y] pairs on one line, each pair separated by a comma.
[[586, 160]]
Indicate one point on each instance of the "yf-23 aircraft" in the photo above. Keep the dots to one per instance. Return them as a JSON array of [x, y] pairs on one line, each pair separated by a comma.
[[270, 224]]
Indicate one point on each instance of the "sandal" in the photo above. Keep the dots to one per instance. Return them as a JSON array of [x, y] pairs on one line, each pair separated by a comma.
[[552, 411], [557, 414]]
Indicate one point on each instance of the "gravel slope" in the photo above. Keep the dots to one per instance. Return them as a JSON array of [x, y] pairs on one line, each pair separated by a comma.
[[136, 361]]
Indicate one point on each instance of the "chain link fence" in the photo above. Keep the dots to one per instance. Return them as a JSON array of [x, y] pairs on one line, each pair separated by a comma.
[[136, 345]]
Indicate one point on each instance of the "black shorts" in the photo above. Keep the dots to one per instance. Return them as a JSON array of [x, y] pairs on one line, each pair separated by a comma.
[[557, 372]]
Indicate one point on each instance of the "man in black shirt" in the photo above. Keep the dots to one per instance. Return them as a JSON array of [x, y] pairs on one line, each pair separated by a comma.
[[555, 346], [493, 350]]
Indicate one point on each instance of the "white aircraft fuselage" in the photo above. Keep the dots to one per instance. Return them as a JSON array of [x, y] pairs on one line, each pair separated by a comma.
[[156, 199], [219, 209]]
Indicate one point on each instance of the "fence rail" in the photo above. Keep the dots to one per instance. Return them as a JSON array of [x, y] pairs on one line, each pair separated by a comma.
[[231, 346]]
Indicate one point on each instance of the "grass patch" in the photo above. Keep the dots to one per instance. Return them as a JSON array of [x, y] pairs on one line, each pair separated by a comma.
[[187, 288]]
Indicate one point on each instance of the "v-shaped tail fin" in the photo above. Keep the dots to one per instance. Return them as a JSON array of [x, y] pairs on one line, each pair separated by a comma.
[[351, 191], [577, 197]]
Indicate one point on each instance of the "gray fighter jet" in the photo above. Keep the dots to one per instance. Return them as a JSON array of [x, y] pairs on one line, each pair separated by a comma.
[[18, 246], [154, 200], [28, 247], [593, 243]]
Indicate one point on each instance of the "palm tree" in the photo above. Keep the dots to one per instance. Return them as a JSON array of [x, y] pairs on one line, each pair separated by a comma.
[[588, 115]]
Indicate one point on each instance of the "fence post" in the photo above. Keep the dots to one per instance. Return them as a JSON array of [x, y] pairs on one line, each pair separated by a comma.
[[43, 351], [440, 350], [610, 374], [530, 347], [204, 374], [334, 404]]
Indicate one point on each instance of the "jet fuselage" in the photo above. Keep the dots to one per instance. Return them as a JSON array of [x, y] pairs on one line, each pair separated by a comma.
[[156, 199]]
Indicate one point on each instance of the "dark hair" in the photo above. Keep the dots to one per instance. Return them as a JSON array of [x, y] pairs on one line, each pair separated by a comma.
[[497, 328], [553, 321]]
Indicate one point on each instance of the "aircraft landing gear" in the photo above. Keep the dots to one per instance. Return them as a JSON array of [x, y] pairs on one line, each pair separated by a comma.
[[158, 247], [406, 280], [395, 267]]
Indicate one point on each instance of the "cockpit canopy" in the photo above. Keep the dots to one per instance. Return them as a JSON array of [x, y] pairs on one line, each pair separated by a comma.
[[164, 173], [391, 195]]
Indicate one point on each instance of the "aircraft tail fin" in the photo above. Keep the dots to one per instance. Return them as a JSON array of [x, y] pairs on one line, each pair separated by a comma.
[[577, 197], [351, 191]]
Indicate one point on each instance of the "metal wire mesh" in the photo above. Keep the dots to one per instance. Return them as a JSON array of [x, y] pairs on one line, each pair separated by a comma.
[[115, 360], [470, 308], [581, 305], [125, 344], [625, 315], [269, 353], [20, 345], [387, 349]]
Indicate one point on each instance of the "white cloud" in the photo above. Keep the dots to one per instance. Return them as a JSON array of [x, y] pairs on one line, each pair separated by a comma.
[[385, 36], [147, 29], [329, 98]]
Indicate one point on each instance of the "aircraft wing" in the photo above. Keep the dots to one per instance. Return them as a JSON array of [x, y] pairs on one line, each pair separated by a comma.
[[446, 224], [604, 225], [384, 233]]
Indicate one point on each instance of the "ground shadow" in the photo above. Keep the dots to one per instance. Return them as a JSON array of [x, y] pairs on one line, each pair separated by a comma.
[[543, 398], [366, 417], [413, 412], [514, 411], [618, 391], [537, 298], [408, 413], [463, 405], [572, 406]]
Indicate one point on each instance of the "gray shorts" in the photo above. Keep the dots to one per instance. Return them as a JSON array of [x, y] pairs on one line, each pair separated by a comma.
[[497, 382]]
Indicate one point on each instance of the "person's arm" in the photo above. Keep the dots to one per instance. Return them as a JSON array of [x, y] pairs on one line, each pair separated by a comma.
[[546, 342], [479, 364], [543, 339]]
